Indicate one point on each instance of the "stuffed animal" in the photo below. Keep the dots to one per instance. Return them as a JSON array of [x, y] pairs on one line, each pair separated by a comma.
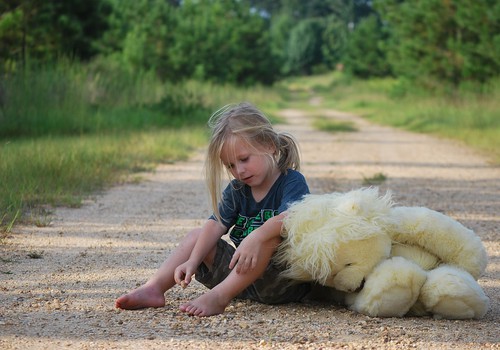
[[389, 261]]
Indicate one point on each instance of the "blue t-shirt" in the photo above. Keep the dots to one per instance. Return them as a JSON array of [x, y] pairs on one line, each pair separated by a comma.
[[239, 210]]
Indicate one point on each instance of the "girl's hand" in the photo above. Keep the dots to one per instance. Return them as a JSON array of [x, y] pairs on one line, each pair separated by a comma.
[[247, 254], [183, 274]]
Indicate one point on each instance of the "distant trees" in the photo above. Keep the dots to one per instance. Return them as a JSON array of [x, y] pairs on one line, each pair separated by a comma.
[[44, 30], [249, 41], [222, 40], [365, 52], [452, 41]]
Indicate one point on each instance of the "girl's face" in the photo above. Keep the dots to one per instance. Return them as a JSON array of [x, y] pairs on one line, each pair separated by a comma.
[[249, 165]]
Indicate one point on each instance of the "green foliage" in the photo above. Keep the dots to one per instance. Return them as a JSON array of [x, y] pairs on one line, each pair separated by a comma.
[[374, 180], [365, 55], [62, 170], [468, 113], [74, 99], [449, 41], [43, 30], [105, 96], [35, 103], [247, 41], [327, 124], [222, 41], [140, 34], [304, 47], [279, 34]]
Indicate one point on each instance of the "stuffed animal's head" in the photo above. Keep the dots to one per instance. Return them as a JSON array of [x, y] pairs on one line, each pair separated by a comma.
[[335, 239], [355, 260]]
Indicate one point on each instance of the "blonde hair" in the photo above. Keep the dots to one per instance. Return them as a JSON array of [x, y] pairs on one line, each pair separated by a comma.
[[248, 123]]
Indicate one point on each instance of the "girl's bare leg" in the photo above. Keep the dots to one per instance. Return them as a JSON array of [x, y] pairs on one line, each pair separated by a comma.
[[216, 300], [151, 294]]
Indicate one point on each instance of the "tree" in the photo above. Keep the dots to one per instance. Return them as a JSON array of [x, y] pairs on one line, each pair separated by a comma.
[[140, 34], [452, 41], [223, 41], [365, 54], [44, 30], [304, 47]]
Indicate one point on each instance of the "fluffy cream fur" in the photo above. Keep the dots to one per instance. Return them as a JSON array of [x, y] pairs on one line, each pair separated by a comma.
[[319, 232], [424, 259], [390, 290], [440, 235], [344, 239], [452, 293]]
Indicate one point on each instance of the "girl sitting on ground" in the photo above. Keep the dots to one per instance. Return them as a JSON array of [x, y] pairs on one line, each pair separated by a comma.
[[264, 167]]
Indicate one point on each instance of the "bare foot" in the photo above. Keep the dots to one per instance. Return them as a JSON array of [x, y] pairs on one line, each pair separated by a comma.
[[208, 304], [142, 297]]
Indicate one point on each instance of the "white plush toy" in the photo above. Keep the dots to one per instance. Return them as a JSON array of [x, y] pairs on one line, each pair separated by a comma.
[[390, 261]]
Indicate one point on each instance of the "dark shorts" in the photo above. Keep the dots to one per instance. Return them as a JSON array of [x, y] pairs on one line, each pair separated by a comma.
[[270, 288]]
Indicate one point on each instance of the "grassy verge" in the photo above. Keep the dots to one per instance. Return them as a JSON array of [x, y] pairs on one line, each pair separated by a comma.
[[73, 130], [326, 124], [62, 170], [70, 130], [470, 114]]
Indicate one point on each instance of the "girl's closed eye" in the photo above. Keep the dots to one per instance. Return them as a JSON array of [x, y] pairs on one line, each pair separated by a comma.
[[241, 160]]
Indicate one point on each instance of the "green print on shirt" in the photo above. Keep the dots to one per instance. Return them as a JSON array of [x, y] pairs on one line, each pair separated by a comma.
[[245, 225]]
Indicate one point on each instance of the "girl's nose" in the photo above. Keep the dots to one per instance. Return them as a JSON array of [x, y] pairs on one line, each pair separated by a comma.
[[240, 169]]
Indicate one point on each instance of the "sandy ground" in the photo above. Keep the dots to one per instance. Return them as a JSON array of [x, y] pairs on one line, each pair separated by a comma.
[[59, 282]]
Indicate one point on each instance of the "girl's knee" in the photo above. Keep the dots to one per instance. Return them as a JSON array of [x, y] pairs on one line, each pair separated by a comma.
[[194, 234]]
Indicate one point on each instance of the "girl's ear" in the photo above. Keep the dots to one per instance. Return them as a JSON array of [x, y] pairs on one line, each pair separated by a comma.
[[271, 149]]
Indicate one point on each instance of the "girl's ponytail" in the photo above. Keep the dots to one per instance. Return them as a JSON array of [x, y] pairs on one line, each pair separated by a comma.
[[288, 152]]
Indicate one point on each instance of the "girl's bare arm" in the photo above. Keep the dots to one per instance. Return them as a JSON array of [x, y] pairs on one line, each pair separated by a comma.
[[212, 231], [267, 236]]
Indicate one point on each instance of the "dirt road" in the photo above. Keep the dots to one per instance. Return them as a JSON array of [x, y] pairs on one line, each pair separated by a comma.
[[58, 283]]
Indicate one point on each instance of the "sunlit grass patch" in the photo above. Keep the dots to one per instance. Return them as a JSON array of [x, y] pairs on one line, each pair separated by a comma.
[[63, 170], [468, 115], [330, 125], [374, 180]]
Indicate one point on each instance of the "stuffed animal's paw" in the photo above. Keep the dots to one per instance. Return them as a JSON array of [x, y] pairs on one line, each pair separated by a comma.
[[452, 293], [390, 290]]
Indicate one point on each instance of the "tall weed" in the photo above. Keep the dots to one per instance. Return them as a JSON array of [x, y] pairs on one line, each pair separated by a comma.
[[72, 129], [103, 96]]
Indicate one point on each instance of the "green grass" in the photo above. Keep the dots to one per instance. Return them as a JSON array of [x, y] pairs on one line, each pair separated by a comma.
[[374, 180], [329, 125], [72, 129], [63, 170], [469, 114], [75, 99]]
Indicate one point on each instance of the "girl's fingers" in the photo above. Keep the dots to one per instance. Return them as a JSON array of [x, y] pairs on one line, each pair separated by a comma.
[[176, 277], [253, 263], [180, 277], [234, 260], [242, 264]]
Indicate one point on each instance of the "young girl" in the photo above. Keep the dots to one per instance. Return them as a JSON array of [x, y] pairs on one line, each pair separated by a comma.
[[264, 165]]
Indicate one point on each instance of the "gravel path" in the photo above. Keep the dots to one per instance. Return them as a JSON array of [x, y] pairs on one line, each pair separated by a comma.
[[58, 283]]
